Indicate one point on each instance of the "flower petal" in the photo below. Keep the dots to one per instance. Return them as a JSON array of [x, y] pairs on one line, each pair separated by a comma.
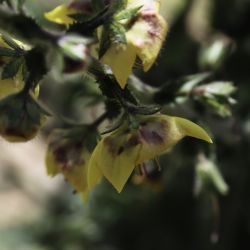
[[116, 157], [76, 174], [188, 128], [94, 175], [121, 60], [61, 15], [147, 36]]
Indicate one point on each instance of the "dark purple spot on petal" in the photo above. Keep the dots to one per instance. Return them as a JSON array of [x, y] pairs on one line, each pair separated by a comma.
[[153, 132], [69, 155]]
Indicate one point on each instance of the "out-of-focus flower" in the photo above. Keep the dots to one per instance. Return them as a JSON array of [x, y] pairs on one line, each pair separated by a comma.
[[69, 156], [76, 52], [61, 14], [208, 177], [20, 117], [144, 38], [116, 155]]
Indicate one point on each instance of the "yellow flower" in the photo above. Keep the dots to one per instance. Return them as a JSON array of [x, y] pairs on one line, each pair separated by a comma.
[[70, 158], [117, 154], [144, 40], [61, 15]]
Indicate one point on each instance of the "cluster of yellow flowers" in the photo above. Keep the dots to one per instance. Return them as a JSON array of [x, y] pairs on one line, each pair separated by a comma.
[[144, 37], [129, 146]]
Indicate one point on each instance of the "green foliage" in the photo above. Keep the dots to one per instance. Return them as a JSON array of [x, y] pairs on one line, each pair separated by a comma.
[[11, 68]]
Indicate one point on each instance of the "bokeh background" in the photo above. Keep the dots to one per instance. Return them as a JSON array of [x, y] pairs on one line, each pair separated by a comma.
[[40, 213]]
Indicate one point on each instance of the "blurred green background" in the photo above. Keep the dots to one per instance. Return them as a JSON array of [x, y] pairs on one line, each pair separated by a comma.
[[39, 213]]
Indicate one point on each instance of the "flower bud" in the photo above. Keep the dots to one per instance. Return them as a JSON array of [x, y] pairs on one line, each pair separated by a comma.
[[20, 118]]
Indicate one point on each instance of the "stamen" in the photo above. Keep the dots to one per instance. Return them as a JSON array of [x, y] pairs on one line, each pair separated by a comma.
[[144, 169], [158, 164]]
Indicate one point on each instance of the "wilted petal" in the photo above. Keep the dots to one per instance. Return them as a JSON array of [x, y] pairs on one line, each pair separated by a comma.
[[147, 36], [71, 159]]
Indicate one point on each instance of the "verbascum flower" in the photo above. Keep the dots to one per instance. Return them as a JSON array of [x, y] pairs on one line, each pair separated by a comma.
[[61, 15], [144, 40], [69, 157], [20, 118], [116, 155]]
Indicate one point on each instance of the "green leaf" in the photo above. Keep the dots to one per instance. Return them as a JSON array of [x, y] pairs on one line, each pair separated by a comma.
[[7, 52], [10, 69], [20, 4], [127, 13], [104, 41], [189, 82], [97, 5], [36, 71], [221, 109], [79, 17], [118, 5], [218, 88], [118, 33]]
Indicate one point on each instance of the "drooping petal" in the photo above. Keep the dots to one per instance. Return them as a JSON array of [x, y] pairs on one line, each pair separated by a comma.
[[61, 15], [115, 156], [94, 175], [121, 60], [51, 166]]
